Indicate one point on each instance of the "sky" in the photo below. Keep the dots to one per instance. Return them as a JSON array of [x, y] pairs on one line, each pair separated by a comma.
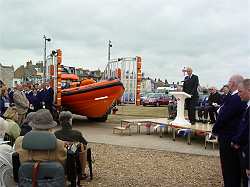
[[211, 36]]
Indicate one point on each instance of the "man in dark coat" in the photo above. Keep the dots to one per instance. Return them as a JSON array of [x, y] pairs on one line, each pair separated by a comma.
[[190, 85], [225, 128], [67, 133], [213, 104], [35, 101], [225, 94], [40, 96], [241, 139], [47, 97]]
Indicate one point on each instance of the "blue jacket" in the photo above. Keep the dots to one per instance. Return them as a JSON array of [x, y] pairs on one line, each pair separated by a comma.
[[49, 96], [41, 95], [35, 101], [229, 117], [242, 136], [46, 96], [28, 95], [223, 98]]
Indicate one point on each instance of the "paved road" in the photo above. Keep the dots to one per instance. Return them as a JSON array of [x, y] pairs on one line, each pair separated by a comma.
[[102, 133]]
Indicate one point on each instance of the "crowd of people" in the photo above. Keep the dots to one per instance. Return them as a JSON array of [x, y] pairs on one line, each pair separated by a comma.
[[29, 109], [26, 110], [26, 98], [232, 128], [229, 113]]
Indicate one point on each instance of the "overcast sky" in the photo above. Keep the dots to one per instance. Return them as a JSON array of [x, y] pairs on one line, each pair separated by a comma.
[[211, 36]]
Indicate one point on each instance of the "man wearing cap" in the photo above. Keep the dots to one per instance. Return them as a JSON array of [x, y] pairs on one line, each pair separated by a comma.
[[42, 121]]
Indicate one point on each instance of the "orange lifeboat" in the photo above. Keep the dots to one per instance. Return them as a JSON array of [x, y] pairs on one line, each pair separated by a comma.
[[92, 99], [87, 81], [69, 77]]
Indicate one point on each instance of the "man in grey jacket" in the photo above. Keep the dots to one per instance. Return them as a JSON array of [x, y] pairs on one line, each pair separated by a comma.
[[21, 102]]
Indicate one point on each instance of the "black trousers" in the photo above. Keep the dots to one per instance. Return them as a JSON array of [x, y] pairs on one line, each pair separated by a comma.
[[230, 163], [243, 168], [212, 113], [202, 112], [190, 105]]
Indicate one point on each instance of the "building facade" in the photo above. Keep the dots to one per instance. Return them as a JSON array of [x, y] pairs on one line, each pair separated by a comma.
[[147, 85], [7, 75], [30, 73]]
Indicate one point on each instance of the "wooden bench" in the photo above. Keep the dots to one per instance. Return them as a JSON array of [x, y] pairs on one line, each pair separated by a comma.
[[122, 129]]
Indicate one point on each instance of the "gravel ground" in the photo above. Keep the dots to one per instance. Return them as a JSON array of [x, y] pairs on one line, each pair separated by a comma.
[[126, 166]]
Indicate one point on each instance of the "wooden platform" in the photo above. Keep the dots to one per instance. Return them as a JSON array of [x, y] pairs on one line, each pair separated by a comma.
[[198, 127], [201, 127]]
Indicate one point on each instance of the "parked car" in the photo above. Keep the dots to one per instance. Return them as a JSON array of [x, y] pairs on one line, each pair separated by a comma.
[[156, 99], [144, 96]]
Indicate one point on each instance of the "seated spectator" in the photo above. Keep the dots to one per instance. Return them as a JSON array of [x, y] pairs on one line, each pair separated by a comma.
[[25, 127], [214, 104], [225, 91], [11, 116], [42, 121], [67, 133]]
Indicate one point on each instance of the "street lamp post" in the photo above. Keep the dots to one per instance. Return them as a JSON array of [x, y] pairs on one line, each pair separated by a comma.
[[45, 58], [109, 46]]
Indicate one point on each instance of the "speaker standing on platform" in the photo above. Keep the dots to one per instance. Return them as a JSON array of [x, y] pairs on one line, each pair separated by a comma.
[[190, 85]]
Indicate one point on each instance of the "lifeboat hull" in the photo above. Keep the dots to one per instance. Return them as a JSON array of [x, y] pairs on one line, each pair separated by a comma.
[[93, 100]]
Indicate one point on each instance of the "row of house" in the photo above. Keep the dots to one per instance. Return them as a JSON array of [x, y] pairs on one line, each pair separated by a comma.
[[33, 73], [154, 85]]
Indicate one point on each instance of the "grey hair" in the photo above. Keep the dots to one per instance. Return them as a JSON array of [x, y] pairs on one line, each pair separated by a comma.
[[237, 79], [29, 117], [189, 68], [246, 83], [64, 118]]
